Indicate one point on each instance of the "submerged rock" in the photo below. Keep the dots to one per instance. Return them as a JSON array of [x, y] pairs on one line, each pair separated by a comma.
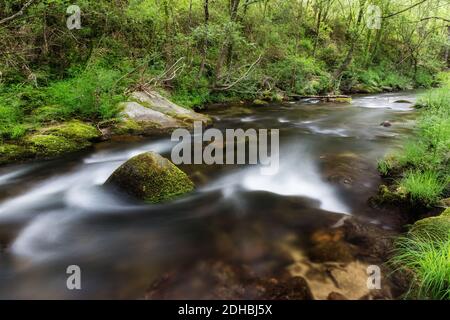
[[225, 280], [336, 296], [328, 245], [373, 242], [151, 178], [403, 101]]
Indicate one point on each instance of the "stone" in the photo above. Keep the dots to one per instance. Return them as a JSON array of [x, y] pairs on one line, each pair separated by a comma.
[[403, 101], [157, 102], [151, 178], [259, 102], [143, 115], [73, 130], [336, 296]]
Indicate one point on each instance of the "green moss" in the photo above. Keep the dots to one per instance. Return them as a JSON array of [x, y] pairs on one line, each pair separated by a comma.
[[13, 152], [259, 102], [127, 126], [438, 226], [364, 88], [386, 195], [151, 178], [73, 130], [341, 100], [425, 253], [50, 145]]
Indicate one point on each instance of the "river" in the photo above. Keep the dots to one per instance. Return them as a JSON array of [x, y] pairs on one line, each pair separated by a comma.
[[56, 213]]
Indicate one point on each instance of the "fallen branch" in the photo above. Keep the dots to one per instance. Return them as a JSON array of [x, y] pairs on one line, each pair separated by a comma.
[[18, 13], [328, 97], [168, 74], [227, 87]]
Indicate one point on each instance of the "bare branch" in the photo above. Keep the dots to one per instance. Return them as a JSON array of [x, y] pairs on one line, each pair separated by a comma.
[[404, 10], [437, 18], [241, 78], [18, 13]]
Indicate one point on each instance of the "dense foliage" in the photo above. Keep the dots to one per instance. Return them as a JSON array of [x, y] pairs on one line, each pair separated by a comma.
[[207, 50]]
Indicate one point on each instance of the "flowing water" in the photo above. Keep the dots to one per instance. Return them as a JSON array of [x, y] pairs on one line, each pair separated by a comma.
[[57, 213]]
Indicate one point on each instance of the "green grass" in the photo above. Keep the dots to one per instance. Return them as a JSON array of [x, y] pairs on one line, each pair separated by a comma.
[[427, 257], [424, 161], [385, 166], [424, 187], [92, 94]]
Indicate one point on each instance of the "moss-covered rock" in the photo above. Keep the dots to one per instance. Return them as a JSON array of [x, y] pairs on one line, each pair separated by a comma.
[[154, 101], [73, 130], [445, 202], [259, 102], [341, 100], [47, 145], [151, 178], [435, 227], [365, 88], [386, 195], [126, 127], [13, 152]]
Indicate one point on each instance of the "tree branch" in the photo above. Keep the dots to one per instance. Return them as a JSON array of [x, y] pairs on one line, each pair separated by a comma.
[[18, 13], [227, 87], [437, 18], [404, 10]]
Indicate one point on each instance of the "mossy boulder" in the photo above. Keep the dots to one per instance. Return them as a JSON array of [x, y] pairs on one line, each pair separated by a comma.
[[48, 145], [259, 102], [435, 227], [151, 178], [13, 152], [73, 130], [126, 127], [62, 138], [365, 88], [386, 195], [341, 99]]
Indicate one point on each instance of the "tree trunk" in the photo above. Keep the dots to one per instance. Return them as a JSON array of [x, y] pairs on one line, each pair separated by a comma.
[[205, 40], [354, 40]]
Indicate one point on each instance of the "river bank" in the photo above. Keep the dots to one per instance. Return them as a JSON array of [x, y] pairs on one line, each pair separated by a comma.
[[144, 114], [417, 179]]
